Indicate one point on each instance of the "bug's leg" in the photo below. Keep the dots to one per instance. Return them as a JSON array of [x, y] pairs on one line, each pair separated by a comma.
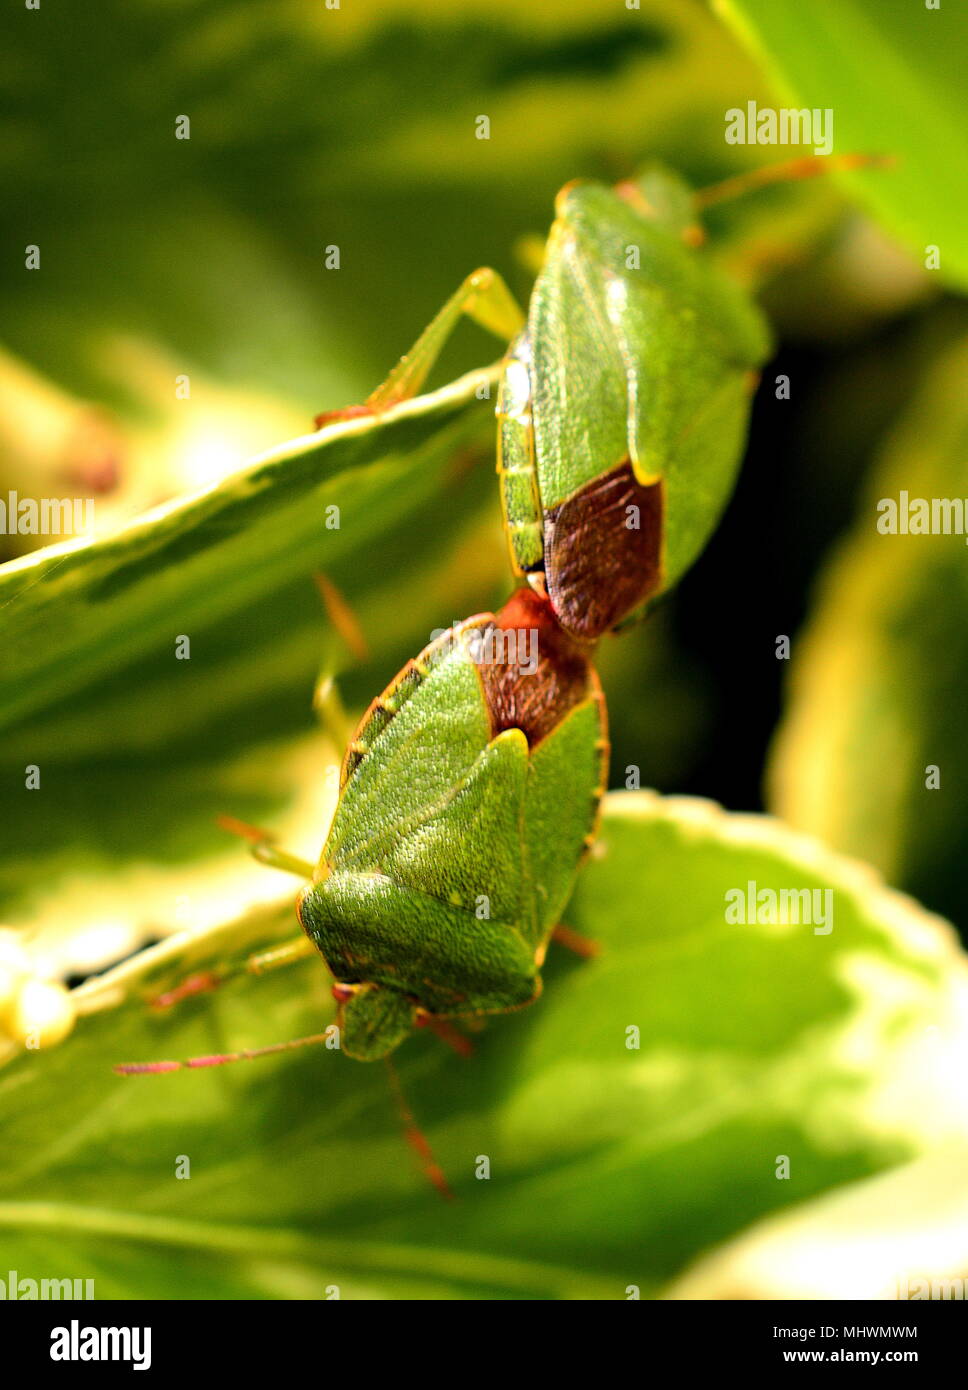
[[257, 964], [299, 948], [327, 704], [574, 941], [447, 1033], [265, 849], [218, 1059], [483, 297], [416, 1138], [331, 713], [806, 167], [341, 616], [201, 983]]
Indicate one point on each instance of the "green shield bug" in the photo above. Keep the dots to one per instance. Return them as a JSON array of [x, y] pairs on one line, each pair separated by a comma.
[[625, 392], [468, 797], [623, 401]]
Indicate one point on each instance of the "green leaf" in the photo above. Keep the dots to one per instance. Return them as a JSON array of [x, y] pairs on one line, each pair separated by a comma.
[[879, 676], [77, 610], [609, 1165], [899, 1235], [892, 74]]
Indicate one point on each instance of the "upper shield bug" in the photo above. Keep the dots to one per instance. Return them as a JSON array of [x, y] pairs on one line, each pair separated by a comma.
[[623, 401], [623, 404], [624, 395]]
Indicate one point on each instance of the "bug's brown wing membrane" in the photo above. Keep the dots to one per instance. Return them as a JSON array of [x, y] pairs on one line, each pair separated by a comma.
[[558, 677], [603, 551]]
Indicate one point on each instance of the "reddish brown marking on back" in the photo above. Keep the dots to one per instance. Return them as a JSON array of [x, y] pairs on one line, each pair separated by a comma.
[[533, 700], [597, 568]]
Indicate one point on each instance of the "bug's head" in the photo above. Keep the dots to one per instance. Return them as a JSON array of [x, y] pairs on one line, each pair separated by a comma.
[[400, 956], [659, 195], [372, 1019]]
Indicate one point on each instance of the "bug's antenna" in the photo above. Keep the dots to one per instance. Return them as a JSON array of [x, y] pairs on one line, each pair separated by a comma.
[[217, 1059], [806, 167], [416, 1138]]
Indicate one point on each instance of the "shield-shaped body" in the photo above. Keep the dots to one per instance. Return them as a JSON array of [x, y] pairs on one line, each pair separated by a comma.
[[624, 403], [468, 798]]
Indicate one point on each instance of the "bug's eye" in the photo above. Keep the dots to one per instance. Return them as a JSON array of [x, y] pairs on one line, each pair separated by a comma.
[[343, 992]]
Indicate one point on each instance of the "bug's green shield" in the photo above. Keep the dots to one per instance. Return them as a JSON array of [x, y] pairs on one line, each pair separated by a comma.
[[456, 841], [624, 407]]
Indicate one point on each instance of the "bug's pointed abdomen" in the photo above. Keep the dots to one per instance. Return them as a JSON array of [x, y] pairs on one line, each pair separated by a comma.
[[603, 552]]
